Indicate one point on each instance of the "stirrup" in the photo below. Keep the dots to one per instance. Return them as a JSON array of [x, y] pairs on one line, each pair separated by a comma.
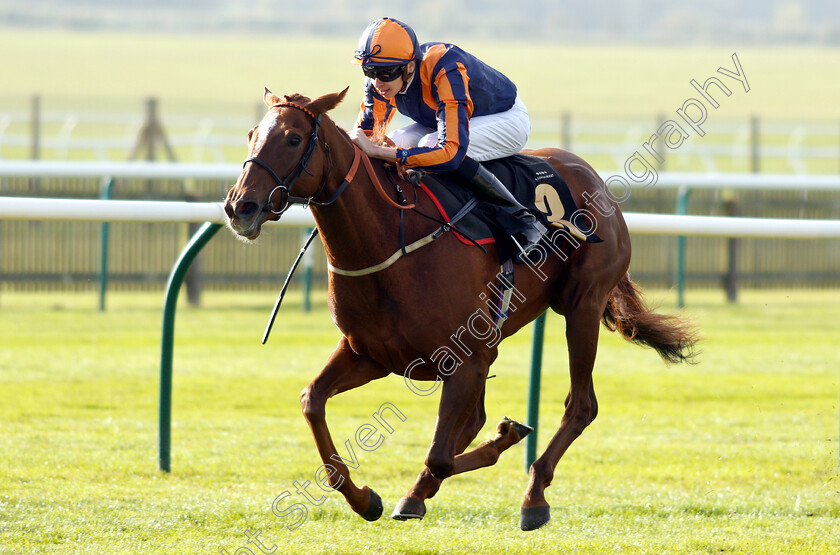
[[526, 250]]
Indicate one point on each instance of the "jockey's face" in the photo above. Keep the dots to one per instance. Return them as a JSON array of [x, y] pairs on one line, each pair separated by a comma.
[[389, 89]]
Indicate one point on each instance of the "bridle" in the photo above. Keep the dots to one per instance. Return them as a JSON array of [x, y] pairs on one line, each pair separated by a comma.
[[284, 185]]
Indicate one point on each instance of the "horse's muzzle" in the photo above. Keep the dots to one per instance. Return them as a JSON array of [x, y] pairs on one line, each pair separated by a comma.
[[244, 217]]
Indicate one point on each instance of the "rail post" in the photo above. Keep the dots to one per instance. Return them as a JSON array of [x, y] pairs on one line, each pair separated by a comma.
[[679, 277], [35, 147], [104, 194], [566, 130], [534, 390], [733, 248], [307, 273], [176, 279]]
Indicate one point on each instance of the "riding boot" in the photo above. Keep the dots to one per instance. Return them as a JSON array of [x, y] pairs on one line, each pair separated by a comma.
[[487, 187]]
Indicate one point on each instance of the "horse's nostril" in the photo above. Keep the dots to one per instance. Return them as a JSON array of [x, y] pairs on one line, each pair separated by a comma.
[[246, 209]]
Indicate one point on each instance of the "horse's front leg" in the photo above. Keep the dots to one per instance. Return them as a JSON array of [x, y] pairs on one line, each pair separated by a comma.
[[344, 371], [508, 433], [426, 486]]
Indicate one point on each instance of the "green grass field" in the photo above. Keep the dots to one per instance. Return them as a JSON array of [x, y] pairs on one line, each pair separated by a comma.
[[736, 454]]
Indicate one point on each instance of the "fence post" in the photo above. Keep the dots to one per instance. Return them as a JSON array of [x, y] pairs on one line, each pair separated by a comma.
[[566, 130], [732, 208], [733, 247], [682, 210], [35, 127], [755, 145], [534, 390], [176, 278], [151, 134], [660, 139], [104, 194], [307, 273]]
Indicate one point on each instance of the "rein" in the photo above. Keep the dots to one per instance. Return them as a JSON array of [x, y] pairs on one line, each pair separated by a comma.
[[287, 200], [284, 185]]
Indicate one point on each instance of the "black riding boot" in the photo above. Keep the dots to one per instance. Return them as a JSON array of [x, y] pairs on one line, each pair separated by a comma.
[[487, 187]]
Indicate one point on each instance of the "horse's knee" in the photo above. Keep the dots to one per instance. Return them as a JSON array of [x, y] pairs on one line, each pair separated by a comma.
[[311, 404]]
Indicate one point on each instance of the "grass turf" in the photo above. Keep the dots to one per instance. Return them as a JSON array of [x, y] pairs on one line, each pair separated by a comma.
[[736, 454]]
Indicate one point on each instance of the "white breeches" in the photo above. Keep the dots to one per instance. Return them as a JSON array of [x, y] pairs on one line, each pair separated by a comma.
[[492, 136]]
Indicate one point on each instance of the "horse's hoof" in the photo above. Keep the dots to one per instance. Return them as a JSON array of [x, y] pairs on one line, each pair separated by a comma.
[[408, 508], [532, 518], [522, 430], [374, 510]]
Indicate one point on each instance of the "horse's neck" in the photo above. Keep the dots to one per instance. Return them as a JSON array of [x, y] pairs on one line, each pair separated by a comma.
[[359, 229]]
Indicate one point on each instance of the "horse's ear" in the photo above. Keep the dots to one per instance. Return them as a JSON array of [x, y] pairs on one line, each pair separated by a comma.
[[270, 98], [327, 102]]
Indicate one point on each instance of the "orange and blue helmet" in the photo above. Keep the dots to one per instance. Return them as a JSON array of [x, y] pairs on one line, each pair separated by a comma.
[[387, 42]]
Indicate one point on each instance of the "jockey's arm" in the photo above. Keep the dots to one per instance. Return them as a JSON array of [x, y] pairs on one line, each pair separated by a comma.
[[360, 138]]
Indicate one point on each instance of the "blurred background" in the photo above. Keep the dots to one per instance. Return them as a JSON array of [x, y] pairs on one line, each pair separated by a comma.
[[181, 80]]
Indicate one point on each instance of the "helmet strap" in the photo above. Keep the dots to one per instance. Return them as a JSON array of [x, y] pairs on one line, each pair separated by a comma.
[[407, 76]]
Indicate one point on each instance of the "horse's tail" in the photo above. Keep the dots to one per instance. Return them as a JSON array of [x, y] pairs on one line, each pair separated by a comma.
[[671, 336]]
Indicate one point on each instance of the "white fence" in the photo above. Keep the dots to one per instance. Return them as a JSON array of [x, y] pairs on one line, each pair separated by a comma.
[[69, 135], [162, 170], [110, 210], [96, 210], [155, 211]]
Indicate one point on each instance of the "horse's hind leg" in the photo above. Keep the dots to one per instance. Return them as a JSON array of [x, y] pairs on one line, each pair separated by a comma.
[[582, 326], [344, 371]]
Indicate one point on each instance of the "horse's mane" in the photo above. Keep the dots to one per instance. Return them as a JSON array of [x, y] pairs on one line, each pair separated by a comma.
[[378, 136], [297, 98]]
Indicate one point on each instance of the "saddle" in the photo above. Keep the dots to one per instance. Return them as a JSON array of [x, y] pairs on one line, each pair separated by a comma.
[[530, 179]]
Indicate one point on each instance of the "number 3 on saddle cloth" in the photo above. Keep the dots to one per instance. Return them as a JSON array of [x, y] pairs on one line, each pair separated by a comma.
[[532, 181], [536, 185]]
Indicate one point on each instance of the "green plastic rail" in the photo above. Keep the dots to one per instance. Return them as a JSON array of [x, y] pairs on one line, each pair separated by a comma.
[[534, 390], [173, 287], [104, 194]]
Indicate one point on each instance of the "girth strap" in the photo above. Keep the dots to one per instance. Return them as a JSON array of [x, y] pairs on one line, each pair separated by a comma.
[[388, 261]]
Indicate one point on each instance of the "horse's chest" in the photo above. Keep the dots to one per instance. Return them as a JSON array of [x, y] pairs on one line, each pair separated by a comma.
[[369, 316]]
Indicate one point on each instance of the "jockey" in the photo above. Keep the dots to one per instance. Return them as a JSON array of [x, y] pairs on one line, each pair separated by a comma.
[[464, 111]]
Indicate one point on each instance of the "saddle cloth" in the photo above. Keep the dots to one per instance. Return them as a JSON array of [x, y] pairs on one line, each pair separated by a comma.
[[532, 181]]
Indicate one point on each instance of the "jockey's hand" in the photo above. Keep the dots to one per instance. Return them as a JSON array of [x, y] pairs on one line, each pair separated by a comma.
[[361, 140]]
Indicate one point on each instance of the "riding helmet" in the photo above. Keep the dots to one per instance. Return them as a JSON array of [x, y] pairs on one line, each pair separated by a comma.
[[387, 42]]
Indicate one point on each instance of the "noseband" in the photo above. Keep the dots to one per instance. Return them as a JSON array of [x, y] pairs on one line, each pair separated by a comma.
[[285, 185]]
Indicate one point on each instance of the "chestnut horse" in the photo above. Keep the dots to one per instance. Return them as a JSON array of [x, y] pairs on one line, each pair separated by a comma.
[[395, 315]]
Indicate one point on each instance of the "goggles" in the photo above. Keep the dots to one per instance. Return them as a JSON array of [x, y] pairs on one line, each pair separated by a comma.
[[385, 74]]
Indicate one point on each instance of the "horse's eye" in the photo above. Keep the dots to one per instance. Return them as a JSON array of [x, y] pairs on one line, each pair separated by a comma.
[[294, 140]]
